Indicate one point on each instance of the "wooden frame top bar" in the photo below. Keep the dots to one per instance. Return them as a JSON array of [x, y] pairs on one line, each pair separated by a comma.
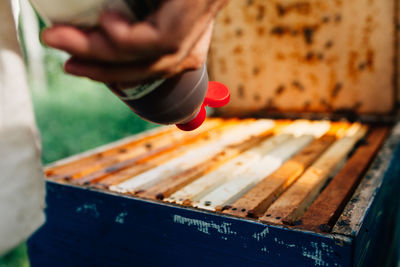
[[236, 158]]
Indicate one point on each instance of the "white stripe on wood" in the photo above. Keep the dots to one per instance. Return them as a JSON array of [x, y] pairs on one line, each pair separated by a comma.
[[292, 204], [244, 162], [306, 127], [194, 157], [238, 185], [212, 180]]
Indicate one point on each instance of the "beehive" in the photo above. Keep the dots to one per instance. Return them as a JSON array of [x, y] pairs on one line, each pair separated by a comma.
[[280, 176], [246, 191], [238, 167]]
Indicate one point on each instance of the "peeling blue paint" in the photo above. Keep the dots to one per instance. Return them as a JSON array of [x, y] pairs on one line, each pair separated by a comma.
[[261, 235], [132, 231], [204, 226], [121, 217], [88, 209]]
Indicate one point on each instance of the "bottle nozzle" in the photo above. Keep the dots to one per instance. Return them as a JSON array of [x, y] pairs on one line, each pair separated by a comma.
[[217, 96]]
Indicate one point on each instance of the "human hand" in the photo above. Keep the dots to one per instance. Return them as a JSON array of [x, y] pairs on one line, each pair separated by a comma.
[[174, 38]]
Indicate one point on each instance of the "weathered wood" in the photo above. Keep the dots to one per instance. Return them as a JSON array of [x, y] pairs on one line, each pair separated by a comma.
[[173, 149], [323, 213], [119, 143], [239, 184], [99, 220], [92, 227], [141, 145], [292, 204], [251, 167], [193, 157], [118, 172], [58, 168], [212, 180], [141, 148], [351, 219], [174, 183], [257, 200], [128, 170], [306, 56]]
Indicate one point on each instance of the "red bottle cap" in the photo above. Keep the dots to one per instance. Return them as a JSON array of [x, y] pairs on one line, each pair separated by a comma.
[[218, 95]]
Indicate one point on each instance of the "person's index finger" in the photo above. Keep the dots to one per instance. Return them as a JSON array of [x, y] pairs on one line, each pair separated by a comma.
[[110, 73], [66, 38], [140, 37]]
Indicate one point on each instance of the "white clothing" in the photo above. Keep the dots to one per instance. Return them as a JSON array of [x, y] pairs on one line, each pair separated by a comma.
[[21, 175]]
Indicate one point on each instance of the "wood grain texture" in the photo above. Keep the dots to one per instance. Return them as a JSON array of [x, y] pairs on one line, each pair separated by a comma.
[[66, 169], [194, 157], [257, 200], [125, 169], [98, 228], [308, 56], [174, 183], [284, 130], [324, 212], [207, 183], [141, 148], [385, 167], [241, 183], [292, 204], [97, 150]]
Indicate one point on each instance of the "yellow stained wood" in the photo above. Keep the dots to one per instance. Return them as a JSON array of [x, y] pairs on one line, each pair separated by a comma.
[[256, 201], [143, 147], [240, 165], [172, 184], [292, 204], [193, 157], [233, 189], [134, 166], [317, 56], [177, 182], [82, 163], [207, 183]]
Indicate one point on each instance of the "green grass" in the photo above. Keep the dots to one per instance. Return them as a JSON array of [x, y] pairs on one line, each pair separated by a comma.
[[16, 258], [75, 114]]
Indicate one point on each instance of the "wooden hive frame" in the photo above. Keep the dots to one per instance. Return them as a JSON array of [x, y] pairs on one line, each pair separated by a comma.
[[336, 222], [195, 169]]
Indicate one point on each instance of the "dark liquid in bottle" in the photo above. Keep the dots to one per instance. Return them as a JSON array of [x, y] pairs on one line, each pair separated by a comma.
[[177, 100]]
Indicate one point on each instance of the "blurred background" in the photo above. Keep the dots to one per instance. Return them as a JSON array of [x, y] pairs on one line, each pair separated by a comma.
[[73, 114]]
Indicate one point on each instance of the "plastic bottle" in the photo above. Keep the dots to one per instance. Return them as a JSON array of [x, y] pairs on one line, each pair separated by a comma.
[[179, 100]]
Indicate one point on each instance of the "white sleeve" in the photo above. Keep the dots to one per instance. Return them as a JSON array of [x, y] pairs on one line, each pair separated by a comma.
[[21, 175]]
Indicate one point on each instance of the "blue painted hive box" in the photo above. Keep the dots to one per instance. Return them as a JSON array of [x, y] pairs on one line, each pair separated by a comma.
[[231, 193]]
